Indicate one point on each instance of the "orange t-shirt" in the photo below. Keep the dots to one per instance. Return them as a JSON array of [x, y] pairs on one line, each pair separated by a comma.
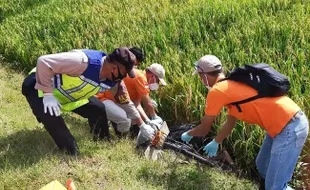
[[138, 86], [271, 113], [106, 95]]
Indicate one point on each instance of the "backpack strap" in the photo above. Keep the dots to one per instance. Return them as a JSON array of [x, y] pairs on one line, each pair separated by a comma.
[[222, 79], [237, 103]]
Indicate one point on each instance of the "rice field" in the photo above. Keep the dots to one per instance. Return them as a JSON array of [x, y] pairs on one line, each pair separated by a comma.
[[175, 34]]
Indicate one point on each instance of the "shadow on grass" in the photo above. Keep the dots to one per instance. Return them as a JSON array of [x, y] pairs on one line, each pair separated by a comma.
[[177, 178], [27, 147], [24, 148]]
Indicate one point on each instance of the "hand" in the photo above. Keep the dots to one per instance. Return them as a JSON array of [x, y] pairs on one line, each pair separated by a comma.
[[51, 104], [157, 119], [186, 137], [146, 133], [147, 121], [156, 126], [211, 148]]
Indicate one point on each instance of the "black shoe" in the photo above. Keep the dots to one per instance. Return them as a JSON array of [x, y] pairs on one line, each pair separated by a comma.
[[261, 183], [100, 133], [72, 151], [117, 133]]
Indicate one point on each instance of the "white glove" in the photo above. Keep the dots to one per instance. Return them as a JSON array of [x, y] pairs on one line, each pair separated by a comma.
[[156, 126], [146, 133], [158, 120], [50, 103]]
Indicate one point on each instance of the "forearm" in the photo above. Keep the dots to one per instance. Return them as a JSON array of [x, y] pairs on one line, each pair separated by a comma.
[[199, 131], [204, 127], [146, 100], [226, 130], [132, 112], [142, 112], [150, 109], [44, 76]]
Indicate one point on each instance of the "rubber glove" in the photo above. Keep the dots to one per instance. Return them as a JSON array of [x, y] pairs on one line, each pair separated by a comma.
[[157, 119], [211, 148], [51, 104], [186, 137], [146, 133], [153, 124], [147, 121]]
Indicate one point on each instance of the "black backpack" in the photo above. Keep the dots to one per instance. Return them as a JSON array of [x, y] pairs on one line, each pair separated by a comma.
[[262, 77]]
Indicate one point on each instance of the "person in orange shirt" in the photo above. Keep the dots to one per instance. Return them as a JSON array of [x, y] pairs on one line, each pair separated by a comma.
[[286, 125], [120, 110], [140, 55], [139, 90]]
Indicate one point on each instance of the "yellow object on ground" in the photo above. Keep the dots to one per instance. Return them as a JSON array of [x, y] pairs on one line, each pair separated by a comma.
[[54, 185]]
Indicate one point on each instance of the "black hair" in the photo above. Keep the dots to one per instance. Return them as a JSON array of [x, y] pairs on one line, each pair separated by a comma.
[[139, 53]]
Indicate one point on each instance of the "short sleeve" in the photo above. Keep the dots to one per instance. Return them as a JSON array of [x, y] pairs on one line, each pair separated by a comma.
[[215, 101], [142, 85]]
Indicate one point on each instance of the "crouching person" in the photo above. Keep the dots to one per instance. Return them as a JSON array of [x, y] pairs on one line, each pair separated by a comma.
[[120, 110], [68, 81], [286, 125], [139, 90], [124, 116], [123, 106]]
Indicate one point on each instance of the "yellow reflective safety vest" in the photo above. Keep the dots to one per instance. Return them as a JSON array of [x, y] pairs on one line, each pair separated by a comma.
[[73, 92]]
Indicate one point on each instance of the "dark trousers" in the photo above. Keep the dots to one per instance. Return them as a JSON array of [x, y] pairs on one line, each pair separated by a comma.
[[94, 111]]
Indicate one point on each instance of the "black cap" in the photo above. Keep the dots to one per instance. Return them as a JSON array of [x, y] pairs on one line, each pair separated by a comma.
[[125, 57]]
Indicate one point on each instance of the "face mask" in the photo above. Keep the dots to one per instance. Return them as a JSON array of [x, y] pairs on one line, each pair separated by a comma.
[[154, 86], [120, 76]]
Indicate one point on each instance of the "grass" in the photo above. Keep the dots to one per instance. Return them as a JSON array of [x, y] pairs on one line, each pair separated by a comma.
[[29, 158], [175, 34]]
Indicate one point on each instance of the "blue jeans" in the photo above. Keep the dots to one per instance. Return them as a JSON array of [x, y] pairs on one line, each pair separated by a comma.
[[278, 156]]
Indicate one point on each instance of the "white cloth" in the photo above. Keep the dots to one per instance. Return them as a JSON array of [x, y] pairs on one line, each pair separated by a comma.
[[146, 133]]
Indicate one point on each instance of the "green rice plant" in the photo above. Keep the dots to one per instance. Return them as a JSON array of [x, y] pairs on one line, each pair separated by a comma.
[[175, 34]]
